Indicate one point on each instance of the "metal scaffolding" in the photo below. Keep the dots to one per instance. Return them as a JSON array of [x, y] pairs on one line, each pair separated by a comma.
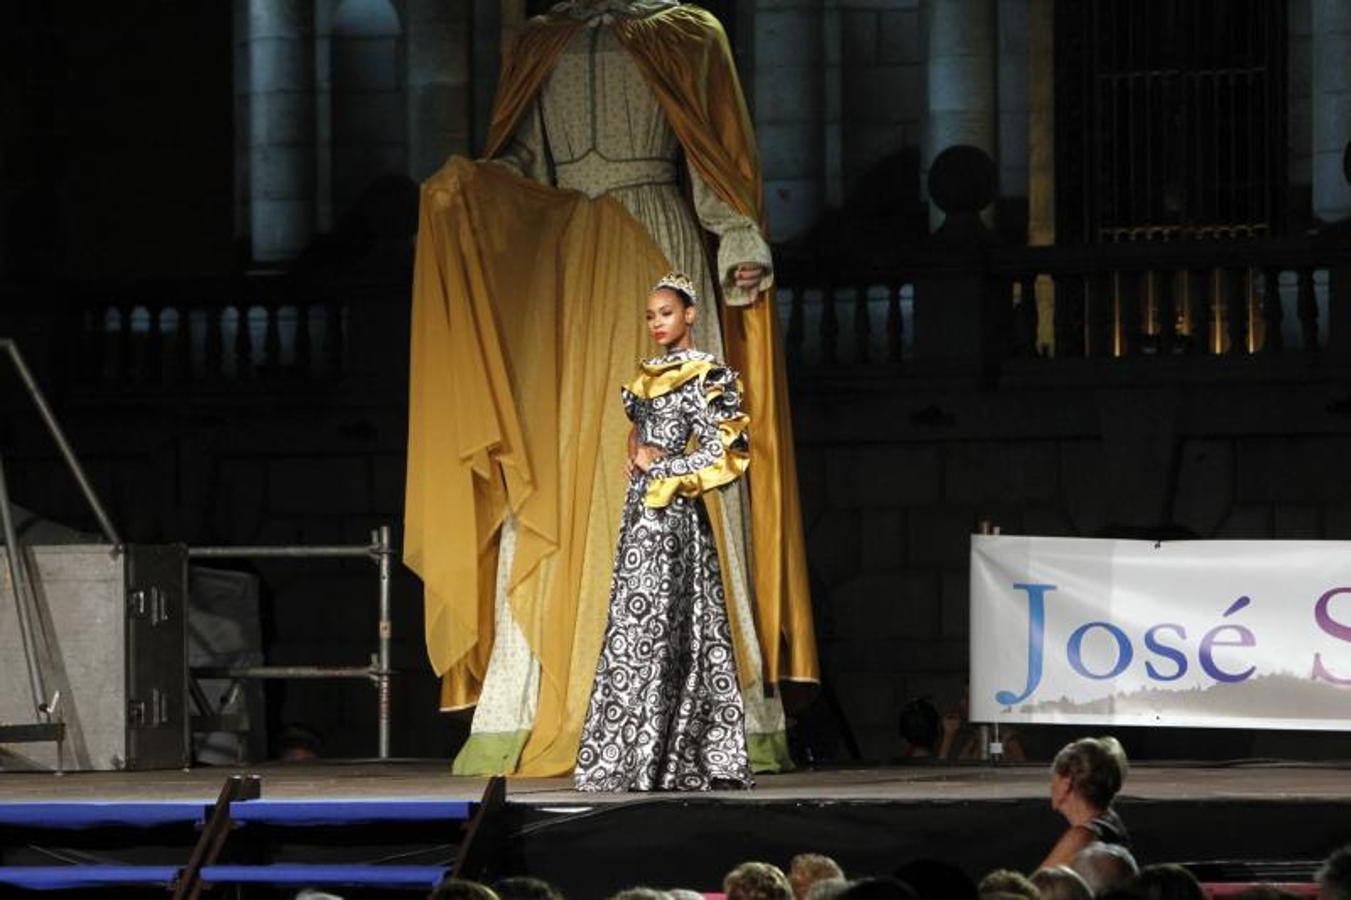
[[377, 551]]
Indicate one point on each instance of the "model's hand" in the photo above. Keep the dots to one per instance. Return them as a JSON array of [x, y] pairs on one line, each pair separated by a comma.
[[747, 277], [645, 456]]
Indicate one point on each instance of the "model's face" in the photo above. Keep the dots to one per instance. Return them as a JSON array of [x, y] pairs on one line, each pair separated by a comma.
[[669, 319]]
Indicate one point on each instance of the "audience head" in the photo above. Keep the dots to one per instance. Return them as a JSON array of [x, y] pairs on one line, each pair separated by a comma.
[[1334, 876], [523, 887], [827, 889], [641, 893], [458, 889], [684, 894], [879, 889], [933, 879], [808, 868], [1004, 884], [1061, 883], [1091, 768], [919, 725], [1165, 882], [757, 881], [1104, 867]]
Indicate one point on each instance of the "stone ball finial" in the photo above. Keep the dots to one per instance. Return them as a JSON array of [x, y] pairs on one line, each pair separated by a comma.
[[963, 179]]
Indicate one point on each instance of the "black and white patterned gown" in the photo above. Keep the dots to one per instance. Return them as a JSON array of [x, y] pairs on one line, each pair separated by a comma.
[[666, 710]]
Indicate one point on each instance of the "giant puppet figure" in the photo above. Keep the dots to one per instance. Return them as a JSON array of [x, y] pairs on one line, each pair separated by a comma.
[[620, 141]]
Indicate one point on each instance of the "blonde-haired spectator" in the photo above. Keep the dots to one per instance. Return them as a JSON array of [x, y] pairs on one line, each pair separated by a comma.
[[827, 889], [1061, 883], [1085, 778], [1104, 866], [1004, 884], [757, 881], [806, 869]]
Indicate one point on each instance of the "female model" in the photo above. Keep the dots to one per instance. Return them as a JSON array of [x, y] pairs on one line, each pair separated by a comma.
[[666, 712]]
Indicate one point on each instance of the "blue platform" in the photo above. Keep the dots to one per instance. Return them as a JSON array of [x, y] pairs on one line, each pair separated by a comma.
[[59, 878], [289, 813], [190, 817]]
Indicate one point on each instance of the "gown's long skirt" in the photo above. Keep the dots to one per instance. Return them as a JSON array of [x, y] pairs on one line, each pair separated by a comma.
[[666, 712]]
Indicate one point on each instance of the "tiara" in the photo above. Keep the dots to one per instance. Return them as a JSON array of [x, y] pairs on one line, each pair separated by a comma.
[[680, 282]]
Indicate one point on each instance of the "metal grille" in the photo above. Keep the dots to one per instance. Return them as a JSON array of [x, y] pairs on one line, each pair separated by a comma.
[[1170, 118]]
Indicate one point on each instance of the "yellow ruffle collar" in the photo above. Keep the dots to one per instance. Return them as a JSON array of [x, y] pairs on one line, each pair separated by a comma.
[[664, 374]]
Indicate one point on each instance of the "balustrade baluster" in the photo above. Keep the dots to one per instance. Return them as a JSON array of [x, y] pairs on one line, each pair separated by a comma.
[[1165, 307], [243, 344], [1236, 309], [182, 368], [213, 355], [271, 340], [895, 324], [155, 355], [1306, 307], [336, 337], [1273, 340], [304, 349], [1101, 305], [127, 348], [1068, 316], [830, 328], [1025, 317], [110, 327], [862, 324], [1129, 289], [1200, 302]]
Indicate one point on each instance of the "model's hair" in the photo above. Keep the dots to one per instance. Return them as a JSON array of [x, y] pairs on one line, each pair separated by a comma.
[[681, 285], [685, 299], [1096, 768], [1061, 883], [757, 881], [1334, 876]]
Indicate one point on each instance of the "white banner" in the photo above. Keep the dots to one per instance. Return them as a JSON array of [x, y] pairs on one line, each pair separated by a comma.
[[1221, 634]]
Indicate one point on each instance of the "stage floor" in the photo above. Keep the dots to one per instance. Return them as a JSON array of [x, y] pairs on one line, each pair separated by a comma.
[[431, 780]]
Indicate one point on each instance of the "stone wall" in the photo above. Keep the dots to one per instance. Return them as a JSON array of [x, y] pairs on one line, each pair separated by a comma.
[[875, 72]]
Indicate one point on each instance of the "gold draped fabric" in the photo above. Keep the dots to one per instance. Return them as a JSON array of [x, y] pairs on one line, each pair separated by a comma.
[[512, 375], [526, 318]]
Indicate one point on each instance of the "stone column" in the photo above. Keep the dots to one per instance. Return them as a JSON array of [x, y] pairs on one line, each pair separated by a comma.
[[1013, 118], [789, 107], [487, 63], [1041, 154], [962, 101], [1331, 108], [281, 127], [241, 112], [439, 105]]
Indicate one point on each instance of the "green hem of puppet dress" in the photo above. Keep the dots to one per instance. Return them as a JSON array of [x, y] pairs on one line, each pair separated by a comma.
[[490, 753]]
